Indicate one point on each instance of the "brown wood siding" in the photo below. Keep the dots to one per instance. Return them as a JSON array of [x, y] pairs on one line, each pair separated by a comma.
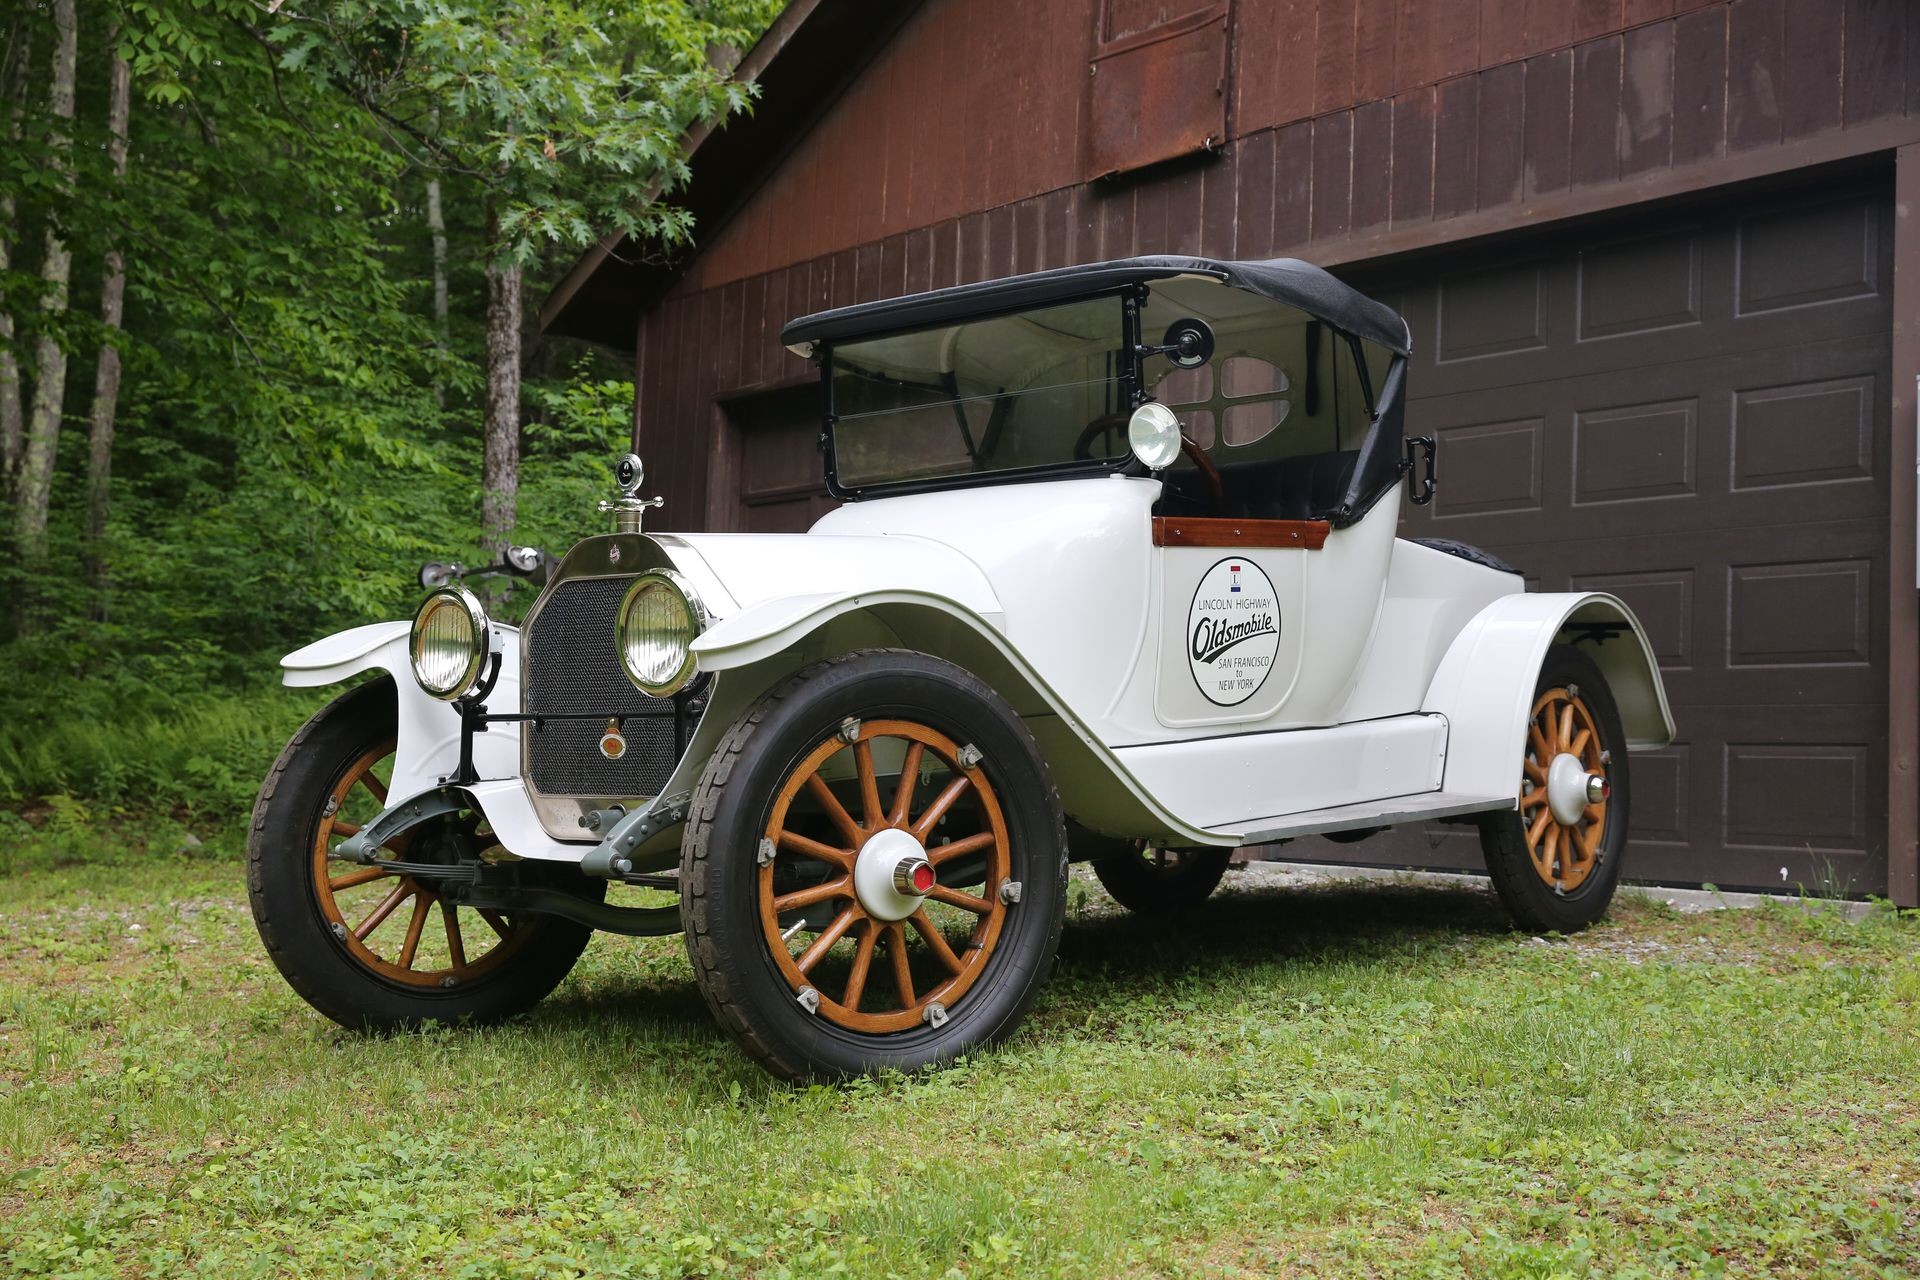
[[1411, 113], [1700, 94]]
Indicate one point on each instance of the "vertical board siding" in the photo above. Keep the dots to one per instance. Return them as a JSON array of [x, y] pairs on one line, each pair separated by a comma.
[[1549, 124], [1456, 147], [1646, 99], [1253, 198], [1292, 186], [1500, 141], [1333, 68], [1330, 197], [1412, 161], [1873, 62], [1755, 29], [1219, 198], [1372, 181], [923, 136], [1810, 79], [1375, 46], [1596, 112], [1699, 85], [1591, 18], [1348, 117]]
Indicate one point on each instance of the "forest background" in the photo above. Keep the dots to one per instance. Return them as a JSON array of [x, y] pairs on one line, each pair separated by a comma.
[[267, 278]]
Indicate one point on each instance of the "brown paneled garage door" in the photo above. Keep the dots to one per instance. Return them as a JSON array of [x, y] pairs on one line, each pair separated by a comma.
[[1694, 417]]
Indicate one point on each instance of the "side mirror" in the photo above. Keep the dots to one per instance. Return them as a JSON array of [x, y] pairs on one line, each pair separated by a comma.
[[525, 559], [434, 575], [1188, 344]]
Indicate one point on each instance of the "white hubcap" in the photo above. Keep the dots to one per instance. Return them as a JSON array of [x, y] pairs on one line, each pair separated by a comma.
[[887, 872], [1567, 788]]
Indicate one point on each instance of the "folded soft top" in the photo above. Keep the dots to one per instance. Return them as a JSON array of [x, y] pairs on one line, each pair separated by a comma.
[[1285, 280]]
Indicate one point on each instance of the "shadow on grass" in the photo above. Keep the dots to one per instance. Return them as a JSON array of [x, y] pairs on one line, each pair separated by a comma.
[[1344, 922], [1365, 923]]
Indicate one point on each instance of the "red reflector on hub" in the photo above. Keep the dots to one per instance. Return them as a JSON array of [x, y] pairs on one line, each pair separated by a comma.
[[922, 878]]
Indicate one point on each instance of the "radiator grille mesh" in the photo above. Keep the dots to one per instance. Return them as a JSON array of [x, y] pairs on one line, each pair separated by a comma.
[[572, 668]]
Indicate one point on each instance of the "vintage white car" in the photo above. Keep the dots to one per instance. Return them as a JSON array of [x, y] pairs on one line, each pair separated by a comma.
[[1115, 577]]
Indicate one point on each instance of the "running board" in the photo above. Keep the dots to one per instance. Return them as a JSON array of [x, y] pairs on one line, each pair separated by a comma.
[[1354, 817]]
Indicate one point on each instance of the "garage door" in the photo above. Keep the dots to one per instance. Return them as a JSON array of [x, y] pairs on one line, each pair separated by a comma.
[[1696, 419]]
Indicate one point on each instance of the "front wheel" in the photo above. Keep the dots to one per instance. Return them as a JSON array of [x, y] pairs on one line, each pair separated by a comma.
[[874, 869], [1556, 861], [368, 948]]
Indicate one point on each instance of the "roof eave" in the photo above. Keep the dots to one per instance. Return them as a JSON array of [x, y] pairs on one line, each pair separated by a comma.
[[813, 50]]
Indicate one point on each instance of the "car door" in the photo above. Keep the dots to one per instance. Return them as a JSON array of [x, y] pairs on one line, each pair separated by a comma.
[[1262, 623]]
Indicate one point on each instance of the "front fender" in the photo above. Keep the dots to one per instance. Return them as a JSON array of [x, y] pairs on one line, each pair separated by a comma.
[[756, 648], [427, 749], [1485, 683]]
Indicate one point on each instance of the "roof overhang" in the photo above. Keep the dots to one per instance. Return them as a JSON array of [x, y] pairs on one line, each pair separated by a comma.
[[806, 59]]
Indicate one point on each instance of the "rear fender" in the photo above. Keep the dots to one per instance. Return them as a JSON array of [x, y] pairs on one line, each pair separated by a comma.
[[1485, 683], [756, 649], [428, 746]]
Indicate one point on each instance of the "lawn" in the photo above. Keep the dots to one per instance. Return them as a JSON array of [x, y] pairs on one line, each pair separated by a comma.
[[1347, 1079]]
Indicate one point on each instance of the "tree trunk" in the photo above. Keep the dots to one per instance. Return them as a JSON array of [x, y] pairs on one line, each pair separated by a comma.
[[50, 360], [12, 420], [437, 228], [106, 377], [501, 474]]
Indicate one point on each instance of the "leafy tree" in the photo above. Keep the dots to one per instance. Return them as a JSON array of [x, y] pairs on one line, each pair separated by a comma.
[[566, 120], [294, 424]]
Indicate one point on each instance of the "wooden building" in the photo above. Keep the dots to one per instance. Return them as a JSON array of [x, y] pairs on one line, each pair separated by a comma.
[[1658, 257]]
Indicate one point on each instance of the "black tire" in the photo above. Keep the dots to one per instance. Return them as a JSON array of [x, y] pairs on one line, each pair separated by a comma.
[[751, 998], [1533, 902], [286, 898], [1162, 882]]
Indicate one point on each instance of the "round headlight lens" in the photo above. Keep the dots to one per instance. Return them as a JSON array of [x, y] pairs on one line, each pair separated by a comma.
[[1154, 433], [655, 630], [449, 643]]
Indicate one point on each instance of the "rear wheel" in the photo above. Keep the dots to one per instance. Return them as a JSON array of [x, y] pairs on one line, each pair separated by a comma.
[[874, 869], [1158, 882], [1556, 862], [366, 947]]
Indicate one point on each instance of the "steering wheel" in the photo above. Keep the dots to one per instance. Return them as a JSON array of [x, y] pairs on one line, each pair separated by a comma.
[[1117, 422]]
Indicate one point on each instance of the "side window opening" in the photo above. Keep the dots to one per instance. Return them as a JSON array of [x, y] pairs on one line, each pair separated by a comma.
[[1281, 410]]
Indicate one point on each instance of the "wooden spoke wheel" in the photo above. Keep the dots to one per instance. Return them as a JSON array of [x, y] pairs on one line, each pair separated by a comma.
[[399, 927], [908, 951], [1555, 857], [365, 947], [874, 871], [1564, 750]]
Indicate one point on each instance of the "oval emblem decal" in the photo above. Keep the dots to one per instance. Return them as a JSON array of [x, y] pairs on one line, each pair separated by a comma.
[[1233, 631]]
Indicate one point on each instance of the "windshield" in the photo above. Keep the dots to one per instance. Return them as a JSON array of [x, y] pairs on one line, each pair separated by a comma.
[[1040, 388]]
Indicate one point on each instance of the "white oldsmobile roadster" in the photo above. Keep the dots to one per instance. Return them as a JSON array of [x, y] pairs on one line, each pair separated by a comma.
[[1115, 577]]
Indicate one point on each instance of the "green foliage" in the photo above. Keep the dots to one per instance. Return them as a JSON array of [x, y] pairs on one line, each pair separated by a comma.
[[1342, 1081], [197, 755], [294, 435], [569, 116]]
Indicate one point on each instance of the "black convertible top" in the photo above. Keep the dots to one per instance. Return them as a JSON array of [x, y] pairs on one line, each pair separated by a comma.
[[1287, 280]]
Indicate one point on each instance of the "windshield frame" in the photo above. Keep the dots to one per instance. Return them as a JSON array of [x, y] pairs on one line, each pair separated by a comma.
[[1132, 394]]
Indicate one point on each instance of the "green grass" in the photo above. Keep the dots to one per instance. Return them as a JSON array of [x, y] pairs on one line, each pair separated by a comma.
[[1347, 1080]]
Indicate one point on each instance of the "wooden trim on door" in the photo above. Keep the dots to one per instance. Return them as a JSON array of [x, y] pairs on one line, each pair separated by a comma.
[[1212, 531]]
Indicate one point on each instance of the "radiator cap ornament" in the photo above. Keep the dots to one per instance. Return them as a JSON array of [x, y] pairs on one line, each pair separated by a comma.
[[629, 474]]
